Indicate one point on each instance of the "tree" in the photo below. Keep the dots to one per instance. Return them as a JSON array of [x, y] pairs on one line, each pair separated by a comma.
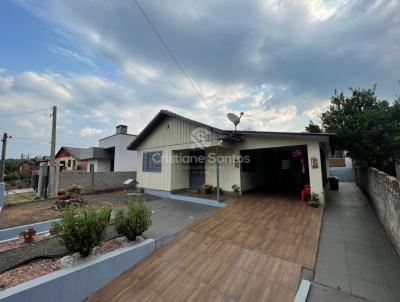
[[369, 128], [313, 128]]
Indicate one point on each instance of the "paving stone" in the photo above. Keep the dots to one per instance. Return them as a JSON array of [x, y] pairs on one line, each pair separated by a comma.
[[367, 273], [371, 291]]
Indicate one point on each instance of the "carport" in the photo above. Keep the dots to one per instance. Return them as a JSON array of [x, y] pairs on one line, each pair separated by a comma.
[[280, 169]]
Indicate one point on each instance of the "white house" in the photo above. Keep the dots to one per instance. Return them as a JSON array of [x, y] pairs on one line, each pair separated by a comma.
[[112, 153], [176, 153]]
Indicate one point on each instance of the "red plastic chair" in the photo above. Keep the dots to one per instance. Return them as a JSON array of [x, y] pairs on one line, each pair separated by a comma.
[[306, 192]]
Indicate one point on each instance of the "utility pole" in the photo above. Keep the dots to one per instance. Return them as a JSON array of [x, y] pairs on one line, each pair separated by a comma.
[[52, 173], [3, 157]]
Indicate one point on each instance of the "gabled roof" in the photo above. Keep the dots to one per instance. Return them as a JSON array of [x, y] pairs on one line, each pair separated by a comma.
[[74, 152], [227, 135]]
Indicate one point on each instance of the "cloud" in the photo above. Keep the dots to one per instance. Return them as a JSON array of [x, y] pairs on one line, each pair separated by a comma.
[[71, 55], [278, 61], [90, 131]]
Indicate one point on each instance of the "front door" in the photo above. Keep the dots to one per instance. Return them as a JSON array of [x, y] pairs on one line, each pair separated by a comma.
[[197, 175]]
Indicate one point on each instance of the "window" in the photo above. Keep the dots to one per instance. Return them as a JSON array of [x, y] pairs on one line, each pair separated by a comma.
[[249, 161], [152, 161], [69, 163]]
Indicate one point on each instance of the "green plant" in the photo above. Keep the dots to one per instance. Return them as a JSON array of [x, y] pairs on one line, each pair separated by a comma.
[[236, 189], [315, 200], [208, 188], [81, 230], [75, 188], [133, 220], [61, 192]]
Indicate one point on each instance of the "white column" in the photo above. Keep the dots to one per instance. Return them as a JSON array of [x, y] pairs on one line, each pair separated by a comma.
[[315, 173]]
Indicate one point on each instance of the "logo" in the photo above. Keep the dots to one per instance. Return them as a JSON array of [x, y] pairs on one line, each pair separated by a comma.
[[201, 137]]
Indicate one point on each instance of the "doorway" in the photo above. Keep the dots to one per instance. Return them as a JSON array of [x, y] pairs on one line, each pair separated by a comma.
[[197, 175]]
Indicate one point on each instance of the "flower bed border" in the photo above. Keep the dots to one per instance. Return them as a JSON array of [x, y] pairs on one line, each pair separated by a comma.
[[78, 282]]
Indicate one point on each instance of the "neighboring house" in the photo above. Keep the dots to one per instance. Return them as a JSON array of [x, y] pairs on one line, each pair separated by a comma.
[[70, 158], [276, 161], [111, 154], [26, 169], [116, 144]]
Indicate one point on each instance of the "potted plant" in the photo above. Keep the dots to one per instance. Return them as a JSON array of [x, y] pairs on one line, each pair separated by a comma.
[[61, 194], [236, 190], [28, 235], [314, 200], [333, 183], [208, 189], [74, 191]]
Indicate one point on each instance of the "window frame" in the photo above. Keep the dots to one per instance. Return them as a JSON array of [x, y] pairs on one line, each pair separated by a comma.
[[148, 165]]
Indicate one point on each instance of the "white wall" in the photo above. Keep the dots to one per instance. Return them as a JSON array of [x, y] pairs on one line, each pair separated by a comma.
[[100, 165], [125, 160]]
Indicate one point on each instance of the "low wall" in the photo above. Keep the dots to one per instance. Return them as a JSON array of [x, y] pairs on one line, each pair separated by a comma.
[[12, 233], [384, 192], [95, 181], [78, 282]]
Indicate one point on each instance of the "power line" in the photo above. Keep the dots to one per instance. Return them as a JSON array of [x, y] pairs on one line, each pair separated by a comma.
[[171, 54], [22, 113], [30, 139]]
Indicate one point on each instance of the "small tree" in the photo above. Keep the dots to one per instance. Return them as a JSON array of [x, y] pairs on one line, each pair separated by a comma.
[[81, 230], [369, 128], [133, 220], [313, 128]]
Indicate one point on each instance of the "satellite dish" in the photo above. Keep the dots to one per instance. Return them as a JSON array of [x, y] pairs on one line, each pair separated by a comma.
[[234, 118]]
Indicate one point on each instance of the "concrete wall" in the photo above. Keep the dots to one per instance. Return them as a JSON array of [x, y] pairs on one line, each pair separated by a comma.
[[78, 282], [94, 181], [384, 192]]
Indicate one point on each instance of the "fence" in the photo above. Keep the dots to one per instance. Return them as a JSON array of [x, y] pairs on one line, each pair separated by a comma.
[[384, 192], [94, 181]]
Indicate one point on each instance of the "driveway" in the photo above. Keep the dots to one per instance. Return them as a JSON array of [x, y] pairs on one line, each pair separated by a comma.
[[252, 250], [356, 260]]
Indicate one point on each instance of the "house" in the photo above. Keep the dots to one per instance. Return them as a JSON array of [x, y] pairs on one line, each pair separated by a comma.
[[123, 159], [70, 158], [111, 155], [176, 153]]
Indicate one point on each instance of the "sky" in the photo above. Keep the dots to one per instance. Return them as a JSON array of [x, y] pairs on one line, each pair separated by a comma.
[[101, 63]]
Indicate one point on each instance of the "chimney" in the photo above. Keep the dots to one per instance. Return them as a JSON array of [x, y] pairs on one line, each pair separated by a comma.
[[122, 129]]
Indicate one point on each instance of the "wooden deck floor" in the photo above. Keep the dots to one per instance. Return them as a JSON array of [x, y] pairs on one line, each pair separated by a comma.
[[252, 250]]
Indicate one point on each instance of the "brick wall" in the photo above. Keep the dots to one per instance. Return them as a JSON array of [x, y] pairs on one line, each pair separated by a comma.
[[384, 192], [96, 181]]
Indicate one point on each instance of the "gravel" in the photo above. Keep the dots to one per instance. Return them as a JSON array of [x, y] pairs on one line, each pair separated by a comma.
[[39, 268]]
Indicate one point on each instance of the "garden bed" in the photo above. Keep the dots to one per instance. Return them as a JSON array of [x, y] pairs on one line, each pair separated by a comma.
[[43, 210], [42, 267], [81, 280]]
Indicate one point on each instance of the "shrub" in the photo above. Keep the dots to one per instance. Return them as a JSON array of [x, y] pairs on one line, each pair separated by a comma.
[[81, 230], [133, 220]]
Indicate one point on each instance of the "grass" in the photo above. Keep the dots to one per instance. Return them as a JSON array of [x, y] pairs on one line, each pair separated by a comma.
[[19, 198]]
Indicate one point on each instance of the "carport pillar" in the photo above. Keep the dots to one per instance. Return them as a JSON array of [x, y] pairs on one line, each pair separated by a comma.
[[315, 169], [217, 167]]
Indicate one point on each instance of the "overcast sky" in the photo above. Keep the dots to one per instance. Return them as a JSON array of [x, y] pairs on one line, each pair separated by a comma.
[[100, 62]]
